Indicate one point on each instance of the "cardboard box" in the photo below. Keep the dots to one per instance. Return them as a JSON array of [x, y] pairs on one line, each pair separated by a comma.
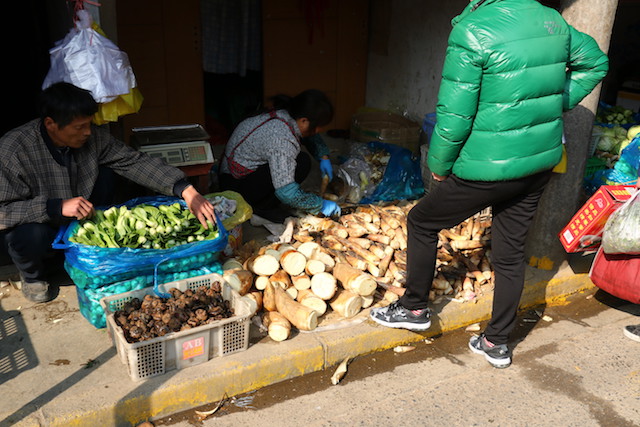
[[235, 240], [584, 231], [386, 127], [629, 100]]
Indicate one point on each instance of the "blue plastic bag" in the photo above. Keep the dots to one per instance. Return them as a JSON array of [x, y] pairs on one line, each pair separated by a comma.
[[624, 172], [402, 179], [121, 262]]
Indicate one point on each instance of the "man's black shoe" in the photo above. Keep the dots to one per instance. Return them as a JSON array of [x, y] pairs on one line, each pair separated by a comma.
[[37, 291], [496, 354], [396, 316]]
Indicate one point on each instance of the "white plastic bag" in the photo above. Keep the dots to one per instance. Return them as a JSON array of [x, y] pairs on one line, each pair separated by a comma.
[[90, 61], [621, 232]]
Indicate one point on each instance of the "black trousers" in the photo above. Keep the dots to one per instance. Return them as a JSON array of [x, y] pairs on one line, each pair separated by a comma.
[[28, 246], [257, 187], [452, 201]]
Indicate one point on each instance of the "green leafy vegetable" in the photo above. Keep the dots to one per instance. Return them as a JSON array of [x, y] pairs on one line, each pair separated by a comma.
[[144, 226]]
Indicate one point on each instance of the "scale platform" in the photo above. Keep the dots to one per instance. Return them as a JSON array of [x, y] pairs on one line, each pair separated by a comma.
[[179, 145]]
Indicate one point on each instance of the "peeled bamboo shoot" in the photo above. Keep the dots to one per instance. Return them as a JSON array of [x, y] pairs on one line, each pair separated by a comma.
[[301, 282], [324, 285], [300, 316], [311, 300], [277, 325], [269, 297], [262, 265], [354, 280], [346, 303], [239, 279], [293, 262]]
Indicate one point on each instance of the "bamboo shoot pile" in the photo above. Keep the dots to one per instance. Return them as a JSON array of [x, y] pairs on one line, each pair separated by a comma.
[[348, 264]]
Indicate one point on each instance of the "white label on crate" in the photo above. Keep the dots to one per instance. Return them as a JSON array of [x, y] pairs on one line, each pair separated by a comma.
[[568, 236], [193, 348]]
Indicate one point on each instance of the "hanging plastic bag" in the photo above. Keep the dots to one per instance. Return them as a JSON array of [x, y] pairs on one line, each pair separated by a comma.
[[621, 234], [89, 60], [121, 106]]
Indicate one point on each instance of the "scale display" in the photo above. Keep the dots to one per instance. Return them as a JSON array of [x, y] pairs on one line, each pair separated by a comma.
[[181, 153]]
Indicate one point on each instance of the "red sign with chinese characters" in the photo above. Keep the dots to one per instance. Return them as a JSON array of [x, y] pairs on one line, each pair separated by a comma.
[[584, 231]]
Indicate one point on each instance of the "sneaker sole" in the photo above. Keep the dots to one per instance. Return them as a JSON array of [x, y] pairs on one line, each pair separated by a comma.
[[402, 325], [38, 298], [496, 363], [629, 335]]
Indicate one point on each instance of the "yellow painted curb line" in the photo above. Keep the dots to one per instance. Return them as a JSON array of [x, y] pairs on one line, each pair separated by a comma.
[[233, 377]]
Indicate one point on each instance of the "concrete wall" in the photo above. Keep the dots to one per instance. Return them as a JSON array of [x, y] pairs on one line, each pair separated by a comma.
[[407, 48]]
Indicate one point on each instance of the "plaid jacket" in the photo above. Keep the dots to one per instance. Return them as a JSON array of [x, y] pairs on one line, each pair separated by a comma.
[[29, 175]]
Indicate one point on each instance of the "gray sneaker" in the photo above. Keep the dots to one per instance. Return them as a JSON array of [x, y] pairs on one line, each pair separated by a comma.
[[38, 291], [396, 316], [497, 355], [632, 332]]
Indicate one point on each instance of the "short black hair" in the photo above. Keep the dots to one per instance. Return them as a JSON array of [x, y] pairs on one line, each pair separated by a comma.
[[312, 104], [64, 102]]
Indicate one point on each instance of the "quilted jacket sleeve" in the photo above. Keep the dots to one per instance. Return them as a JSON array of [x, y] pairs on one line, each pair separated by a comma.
[[457, 100], [587, 66]]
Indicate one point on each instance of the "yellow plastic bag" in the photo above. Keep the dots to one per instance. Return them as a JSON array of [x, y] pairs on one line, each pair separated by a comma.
[[243, 209], [562, 166], [124, 104]]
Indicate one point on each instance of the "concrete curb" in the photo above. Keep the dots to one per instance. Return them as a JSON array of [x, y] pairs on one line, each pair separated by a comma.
[[272, 362]]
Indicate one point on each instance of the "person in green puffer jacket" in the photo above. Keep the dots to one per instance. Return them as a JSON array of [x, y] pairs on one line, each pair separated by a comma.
[[511, 68]]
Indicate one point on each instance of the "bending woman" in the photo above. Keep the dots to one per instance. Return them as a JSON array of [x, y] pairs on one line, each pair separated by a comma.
[[263, 160]]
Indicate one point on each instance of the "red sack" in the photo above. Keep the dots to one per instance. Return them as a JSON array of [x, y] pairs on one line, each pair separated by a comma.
[[617, 274]]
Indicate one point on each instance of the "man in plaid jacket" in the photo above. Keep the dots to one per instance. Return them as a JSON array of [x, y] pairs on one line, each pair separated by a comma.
[[48, 170]]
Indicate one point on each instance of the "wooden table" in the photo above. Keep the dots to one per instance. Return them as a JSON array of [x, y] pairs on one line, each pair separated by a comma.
[[200, 173]]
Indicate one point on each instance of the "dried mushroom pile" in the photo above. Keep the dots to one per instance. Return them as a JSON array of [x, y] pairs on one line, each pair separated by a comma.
[[155, 317], [351, 263]]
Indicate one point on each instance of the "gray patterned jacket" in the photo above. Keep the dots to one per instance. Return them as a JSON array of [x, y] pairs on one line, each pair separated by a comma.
[[29, 175], [271, 143]]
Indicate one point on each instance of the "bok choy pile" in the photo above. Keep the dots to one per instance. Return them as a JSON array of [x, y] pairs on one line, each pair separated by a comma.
[[143, 227]]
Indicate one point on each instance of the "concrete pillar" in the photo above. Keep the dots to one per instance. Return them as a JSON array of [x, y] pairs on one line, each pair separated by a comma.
[[562, 197]]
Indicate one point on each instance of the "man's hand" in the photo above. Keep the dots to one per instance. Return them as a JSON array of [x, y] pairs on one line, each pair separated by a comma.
[[199, 206], [78, 208], [437, 177]]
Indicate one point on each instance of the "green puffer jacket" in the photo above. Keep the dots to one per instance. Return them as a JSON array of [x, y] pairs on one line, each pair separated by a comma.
[[512, 67]]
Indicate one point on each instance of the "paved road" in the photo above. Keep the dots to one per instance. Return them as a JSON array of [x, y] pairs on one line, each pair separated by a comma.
[[572, 368]]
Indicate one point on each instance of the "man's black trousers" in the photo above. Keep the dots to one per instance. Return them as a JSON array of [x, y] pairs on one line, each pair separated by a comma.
[[452, 201]]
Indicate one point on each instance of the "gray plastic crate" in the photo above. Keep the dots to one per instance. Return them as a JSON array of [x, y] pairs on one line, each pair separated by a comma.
[[182, 349]]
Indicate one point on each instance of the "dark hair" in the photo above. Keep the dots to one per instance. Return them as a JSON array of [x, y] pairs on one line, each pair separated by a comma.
[[64, 102], [311, 104]]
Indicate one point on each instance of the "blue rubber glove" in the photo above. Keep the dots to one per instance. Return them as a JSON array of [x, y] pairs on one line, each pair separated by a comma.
[[326, 168], [330, 208]]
